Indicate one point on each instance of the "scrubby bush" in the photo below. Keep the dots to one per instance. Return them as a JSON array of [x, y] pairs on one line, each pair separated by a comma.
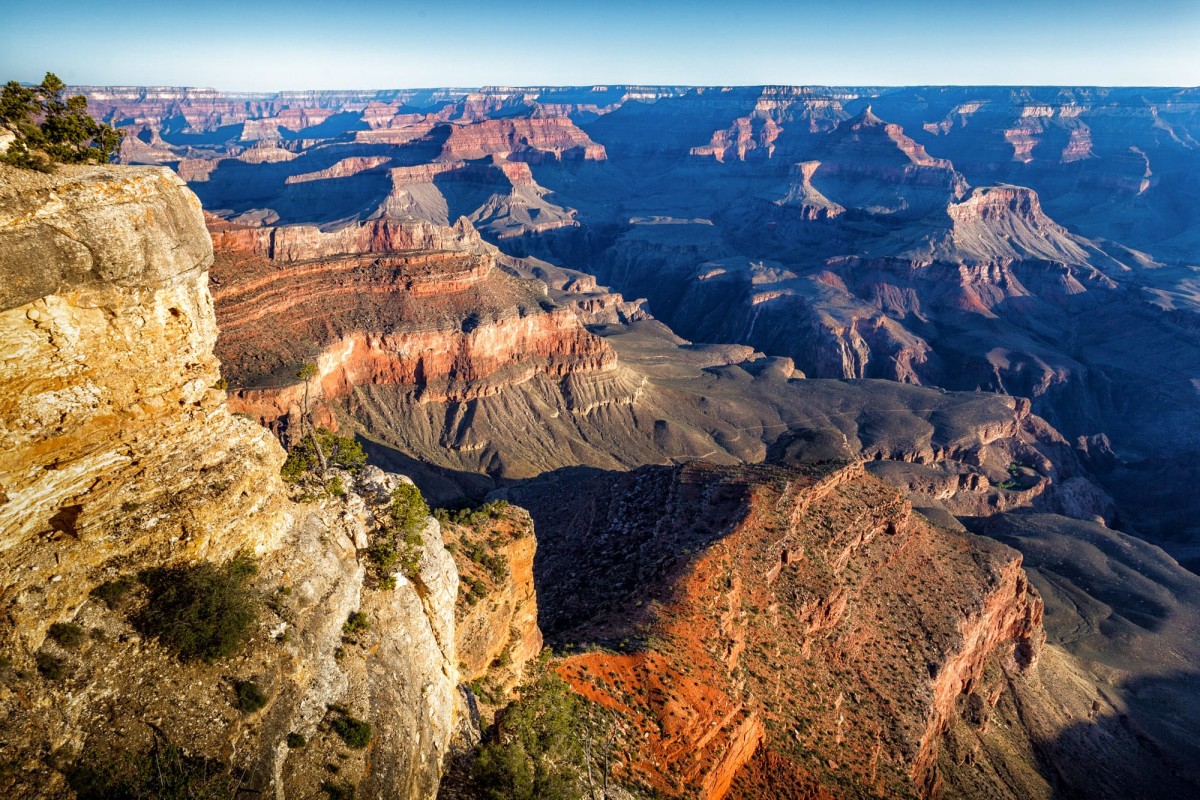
[[113, 592], [537, 748], [295, 741], [52, 129], [399, 545], [477, 591], [68, 634], [356, 623], [478, 552], [250, 696], [472, 516], [164, 772], [206, 611], [344, 452], [356, 733], [409, 510]]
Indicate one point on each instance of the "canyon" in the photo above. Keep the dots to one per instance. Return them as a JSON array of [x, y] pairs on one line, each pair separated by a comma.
[[838, 441]]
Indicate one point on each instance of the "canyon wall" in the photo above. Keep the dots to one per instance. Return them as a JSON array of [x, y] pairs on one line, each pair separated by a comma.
[[123, 458], [760, 628]]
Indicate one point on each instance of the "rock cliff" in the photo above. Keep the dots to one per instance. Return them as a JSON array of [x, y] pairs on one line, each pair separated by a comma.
[[119, 441], [422, 310], [122, 459], [760, 628]]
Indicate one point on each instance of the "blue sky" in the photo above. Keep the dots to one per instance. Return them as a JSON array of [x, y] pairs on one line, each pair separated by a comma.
[[368, 44]]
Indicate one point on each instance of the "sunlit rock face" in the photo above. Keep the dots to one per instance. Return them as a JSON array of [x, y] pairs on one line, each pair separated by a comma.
[[753, 616], [116, 431], [122, 456]]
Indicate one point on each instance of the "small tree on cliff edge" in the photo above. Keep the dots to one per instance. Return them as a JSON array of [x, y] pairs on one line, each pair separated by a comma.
[[306, 374], [65, 134]]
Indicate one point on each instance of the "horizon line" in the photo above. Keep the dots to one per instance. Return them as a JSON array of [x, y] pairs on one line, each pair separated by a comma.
[[597, 86]]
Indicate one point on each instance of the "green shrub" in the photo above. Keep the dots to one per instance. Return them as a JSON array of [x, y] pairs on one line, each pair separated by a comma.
[[250, 697], [334, 487], [536, 750], [295, 741], [409, 509], [68, 634], [356, 733], [66, 133], [472, 517], [206, 611], [113, 592], [340, 451], [477, 592], [165, 772], [356, 623], [399, 544], [478, 552]]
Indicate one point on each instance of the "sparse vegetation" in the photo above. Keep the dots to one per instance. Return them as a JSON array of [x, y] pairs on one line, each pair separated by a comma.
[[65, 134], [250, 697], [356, 623], [68, 634], [473, 517], [113, 592], [356, 733], [536, 749], [398, 546], [206, 611], [164, 772], [337, 451], [477, 591], [478, 552]]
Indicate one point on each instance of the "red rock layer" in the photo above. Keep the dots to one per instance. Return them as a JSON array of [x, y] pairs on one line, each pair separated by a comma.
[[444, 322], [821, 636], [523, 139]]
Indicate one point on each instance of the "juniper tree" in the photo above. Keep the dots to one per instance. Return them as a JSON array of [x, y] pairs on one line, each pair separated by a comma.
[[52, 129]]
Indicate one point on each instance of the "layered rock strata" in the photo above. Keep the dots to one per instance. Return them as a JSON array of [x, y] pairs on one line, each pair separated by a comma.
[[123, 459], [441, 323], [119, 443]]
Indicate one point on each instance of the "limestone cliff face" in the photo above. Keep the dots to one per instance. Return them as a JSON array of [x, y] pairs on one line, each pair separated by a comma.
[[121, 456], [118, 443]]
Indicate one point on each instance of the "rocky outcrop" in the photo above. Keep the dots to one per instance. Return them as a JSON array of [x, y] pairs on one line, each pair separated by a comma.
[[124, 458], [309, 242], [750, 614], [119, 443], [443, 323], [533, 140], [496, 617]]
